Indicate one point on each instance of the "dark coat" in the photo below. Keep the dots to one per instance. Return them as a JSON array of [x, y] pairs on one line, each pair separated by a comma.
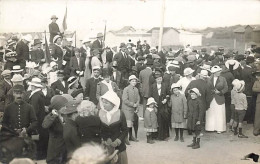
[[54, 30], [57, 54], [205, 91], [70, 136], [221, 85], [246, 75], [117, 129], [75, 66], [97, 45], [18, 116], [140, 67], [57, 86], [91, 89], [56, 145], [169, 79], [123, 63], [195, 113], [37, 55], [229, 78], [144, 78], [4, 88], [49, 95], [89, 129], [163, 57], [22, 51]]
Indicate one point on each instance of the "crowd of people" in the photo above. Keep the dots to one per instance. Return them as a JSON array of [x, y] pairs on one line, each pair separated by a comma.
[[92, 95]]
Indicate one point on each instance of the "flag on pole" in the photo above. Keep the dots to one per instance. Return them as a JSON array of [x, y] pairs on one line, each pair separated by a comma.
[[47, 51], [64, 23]]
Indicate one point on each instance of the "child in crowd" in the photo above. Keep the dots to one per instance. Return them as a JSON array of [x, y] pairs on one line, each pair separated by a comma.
[[232, 106], [150, 119], [178, 104], [195, 116], [240, 103]]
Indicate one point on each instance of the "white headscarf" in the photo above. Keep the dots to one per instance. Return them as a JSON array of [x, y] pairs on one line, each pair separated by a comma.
[[112, 97]]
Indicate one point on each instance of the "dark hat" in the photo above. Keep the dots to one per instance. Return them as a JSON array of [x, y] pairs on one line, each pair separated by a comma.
[[106, 72], [71, 80], [122, 45], [15, 38], [220, 48], [203, 50], [240, 57], [149, 62], [139, 58], [9, 53], [250, 59], [18, 88], [158, 73], [37, 41], [57, 102], [71, 107], [218, 53]]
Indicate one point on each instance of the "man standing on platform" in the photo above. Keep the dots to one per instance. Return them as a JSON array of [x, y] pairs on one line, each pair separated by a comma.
[[53, 28]]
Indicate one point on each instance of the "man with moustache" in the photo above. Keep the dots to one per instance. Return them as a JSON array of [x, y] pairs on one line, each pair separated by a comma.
[[19, 115]]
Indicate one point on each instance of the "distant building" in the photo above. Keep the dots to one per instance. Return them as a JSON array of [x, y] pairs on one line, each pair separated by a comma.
[[126, 34], [172, 36], [247, 34]]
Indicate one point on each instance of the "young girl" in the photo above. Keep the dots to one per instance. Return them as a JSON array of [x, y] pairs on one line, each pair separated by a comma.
[[195, 116], [150, 119], [232, 106], [240, 103], [178, 104]]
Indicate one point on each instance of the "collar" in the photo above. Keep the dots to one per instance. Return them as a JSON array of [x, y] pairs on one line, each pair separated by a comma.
[[33, 92], [150, 109]]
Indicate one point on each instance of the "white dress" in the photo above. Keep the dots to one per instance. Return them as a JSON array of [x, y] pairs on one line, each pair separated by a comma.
[[216, 116]]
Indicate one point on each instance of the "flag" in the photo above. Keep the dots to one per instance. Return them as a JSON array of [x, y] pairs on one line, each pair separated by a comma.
[[64, 23], [47, 51]]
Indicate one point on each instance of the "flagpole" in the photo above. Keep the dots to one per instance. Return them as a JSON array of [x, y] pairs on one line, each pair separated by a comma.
[[105, 31], [161, 27], [75, 33]]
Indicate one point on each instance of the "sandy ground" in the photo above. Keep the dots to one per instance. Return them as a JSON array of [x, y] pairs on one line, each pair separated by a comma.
[[215, 148]]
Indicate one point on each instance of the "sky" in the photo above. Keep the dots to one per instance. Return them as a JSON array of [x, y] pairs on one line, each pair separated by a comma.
[[89, 16]]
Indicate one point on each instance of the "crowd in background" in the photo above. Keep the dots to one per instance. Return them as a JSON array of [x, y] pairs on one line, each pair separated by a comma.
[[93, 94]]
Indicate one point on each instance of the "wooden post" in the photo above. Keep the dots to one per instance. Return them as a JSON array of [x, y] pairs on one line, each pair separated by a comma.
[[235, 43], [161, 27], [75, 33]]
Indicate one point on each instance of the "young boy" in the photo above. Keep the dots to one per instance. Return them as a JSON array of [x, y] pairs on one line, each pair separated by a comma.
[[240, 103]]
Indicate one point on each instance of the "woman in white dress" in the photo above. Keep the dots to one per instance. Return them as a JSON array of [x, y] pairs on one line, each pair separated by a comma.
[[216, 115]]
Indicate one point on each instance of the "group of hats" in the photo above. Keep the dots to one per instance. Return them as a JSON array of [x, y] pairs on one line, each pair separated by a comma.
[[238, 85], [9, 53]]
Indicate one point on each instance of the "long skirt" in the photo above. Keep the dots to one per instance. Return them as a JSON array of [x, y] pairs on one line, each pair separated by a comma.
[[163, 129], [122, 158], [216, 117]]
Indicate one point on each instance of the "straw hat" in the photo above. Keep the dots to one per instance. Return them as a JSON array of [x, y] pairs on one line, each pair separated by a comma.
[[72, 80], [27, 37], [241, 85], [54, 17], [56, 38], [6, 72], [215, 69], [36, 82], [132, 77], [17, 68], [187, 71], [195, 90], [175, 85], [150, 101], [233, 63]]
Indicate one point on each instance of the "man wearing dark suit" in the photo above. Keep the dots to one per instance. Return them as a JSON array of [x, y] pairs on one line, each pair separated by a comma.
[[145, 83], [98, 44], [91, 85], [69, 53], [77, 64], [5, 86], [37, 54], [162, 55], [22, 50], [123, 65], [61, 85], [53, 28]]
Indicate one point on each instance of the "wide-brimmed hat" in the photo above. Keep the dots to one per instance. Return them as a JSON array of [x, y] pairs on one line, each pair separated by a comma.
[[241, 85], [196, 91], [17, 68], [204, 73], [132, 77], [233, 63], [86, 40], [56, 38], [37, 41], [17, 78], [36, 82], [27, 37], [99, 35], [9, 53], [215, 69], [10, 42], [187, 71], [150, 101], [72, 80], [175, 85], [71, 107], [122, 45], [31, 64], [6, 72], [54, 17]]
